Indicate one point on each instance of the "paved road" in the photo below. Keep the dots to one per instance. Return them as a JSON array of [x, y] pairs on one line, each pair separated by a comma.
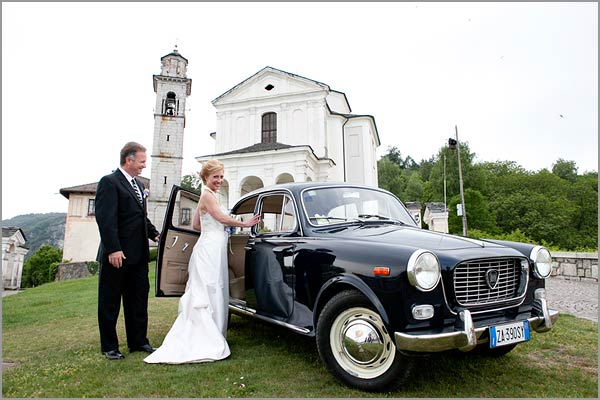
[[579, 298]]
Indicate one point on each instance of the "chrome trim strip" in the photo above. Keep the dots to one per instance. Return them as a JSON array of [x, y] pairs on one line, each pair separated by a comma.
[[252, 313]]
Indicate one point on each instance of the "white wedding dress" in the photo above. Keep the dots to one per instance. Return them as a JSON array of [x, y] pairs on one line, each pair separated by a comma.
[[199, 332]]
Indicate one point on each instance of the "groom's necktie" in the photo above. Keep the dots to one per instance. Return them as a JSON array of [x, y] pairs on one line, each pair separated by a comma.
[[136, 190]]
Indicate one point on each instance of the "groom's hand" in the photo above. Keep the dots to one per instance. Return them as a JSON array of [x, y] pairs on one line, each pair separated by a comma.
[[116, 259]]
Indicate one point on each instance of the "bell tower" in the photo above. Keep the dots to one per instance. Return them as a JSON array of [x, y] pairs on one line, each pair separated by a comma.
[[172, 87]]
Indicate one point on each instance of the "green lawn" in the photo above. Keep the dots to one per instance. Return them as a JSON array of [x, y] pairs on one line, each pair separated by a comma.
[[51, 334]]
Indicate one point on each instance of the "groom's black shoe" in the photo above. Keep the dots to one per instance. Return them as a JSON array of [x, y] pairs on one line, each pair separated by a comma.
[[147, 348], [113, 355]]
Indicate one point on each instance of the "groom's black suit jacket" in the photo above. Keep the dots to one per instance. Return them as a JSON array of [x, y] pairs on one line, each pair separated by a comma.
[[122, 220], [123, 226]]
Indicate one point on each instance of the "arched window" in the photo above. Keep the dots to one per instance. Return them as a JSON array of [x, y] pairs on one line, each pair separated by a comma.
[[269, 128]]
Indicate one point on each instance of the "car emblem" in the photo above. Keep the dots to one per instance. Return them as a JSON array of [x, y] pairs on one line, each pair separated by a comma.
[[491, 278]]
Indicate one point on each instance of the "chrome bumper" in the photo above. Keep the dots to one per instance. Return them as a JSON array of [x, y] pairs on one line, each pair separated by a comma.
[[466, 336]]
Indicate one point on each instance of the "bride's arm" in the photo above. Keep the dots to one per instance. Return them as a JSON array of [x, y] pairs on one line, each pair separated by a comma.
[[209, 203], [196, 225]]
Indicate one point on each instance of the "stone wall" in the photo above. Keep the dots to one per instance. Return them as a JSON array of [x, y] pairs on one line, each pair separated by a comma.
[[72, 271], [575, 266]]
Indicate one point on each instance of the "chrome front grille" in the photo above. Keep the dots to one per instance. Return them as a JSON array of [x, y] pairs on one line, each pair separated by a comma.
[[472, 287]]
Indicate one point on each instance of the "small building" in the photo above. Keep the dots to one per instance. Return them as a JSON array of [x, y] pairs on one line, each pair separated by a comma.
[[414, 208], [81, 231], [13, 256], [436, 217]]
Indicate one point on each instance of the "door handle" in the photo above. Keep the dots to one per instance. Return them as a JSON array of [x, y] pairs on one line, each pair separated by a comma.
[[175, 239], [185, 246]]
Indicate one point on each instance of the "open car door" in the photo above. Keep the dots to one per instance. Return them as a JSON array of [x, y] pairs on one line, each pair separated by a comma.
[[177, 240]]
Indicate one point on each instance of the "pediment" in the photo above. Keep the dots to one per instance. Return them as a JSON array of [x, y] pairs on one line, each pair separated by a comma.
[[269, 82]]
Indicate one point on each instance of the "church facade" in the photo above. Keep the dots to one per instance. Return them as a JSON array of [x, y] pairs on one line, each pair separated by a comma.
[[277, 127]]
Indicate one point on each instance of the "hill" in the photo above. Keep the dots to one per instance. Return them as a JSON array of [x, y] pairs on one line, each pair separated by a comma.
[[40, 229]]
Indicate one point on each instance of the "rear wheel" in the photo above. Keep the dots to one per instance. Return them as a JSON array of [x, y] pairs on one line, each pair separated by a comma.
[[355, 345]]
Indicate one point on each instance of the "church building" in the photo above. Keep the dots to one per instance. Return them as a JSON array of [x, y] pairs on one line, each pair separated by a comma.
[[273, 127], [278, 127]]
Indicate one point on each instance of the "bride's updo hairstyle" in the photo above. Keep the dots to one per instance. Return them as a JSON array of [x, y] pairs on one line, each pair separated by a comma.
[[210, 167]]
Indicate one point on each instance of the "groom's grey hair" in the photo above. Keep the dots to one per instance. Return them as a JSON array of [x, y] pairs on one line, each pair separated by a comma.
[[129, 151]]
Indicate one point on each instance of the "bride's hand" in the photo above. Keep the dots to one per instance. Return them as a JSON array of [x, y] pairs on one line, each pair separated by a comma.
[[252, 221]]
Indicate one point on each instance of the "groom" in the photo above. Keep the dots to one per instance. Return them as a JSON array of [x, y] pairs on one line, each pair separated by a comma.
[[123, 254]]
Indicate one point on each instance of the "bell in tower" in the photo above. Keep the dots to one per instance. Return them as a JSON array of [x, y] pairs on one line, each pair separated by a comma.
[[170, 106]]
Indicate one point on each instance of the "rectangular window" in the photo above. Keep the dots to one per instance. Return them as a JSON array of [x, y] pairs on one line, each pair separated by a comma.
[[186, 216], [91, 207], [269, 128]]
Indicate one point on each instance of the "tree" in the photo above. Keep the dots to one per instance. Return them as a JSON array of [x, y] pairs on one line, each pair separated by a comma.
[[414, 188], [192, 182], [390, 176], [557, 207], [472, 176], [38, 268], [567, 170], [395, 156], [478, 214], [583, 195]]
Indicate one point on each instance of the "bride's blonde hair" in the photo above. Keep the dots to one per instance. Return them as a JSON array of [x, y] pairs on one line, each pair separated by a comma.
[[210, 167]]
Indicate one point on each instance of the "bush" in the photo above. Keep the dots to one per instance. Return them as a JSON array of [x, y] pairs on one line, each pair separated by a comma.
[[514, 236], [52, 270], [153, 254], [92, 266], [41, 267], [518, 236]]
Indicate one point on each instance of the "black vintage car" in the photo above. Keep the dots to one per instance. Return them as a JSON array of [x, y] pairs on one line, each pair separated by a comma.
[[348, 265]]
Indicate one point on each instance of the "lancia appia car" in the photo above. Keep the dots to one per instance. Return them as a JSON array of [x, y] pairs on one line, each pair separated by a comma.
[[348, 265]]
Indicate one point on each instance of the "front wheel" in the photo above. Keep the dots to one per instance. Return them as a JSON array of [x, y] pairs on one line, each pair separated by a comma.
[[355, 345]]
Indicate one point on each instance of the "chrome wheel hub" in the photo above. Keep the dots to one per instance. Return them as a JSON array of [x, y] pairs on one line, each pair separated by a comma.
[[360, 343]]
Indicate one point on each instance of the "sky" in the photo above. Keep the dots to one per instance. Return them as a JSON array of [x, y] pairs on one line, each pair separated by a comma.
[[518, 80]]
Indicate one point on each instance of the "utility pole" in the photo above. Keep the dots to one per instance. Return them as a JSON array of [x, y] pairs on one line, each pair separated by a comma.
[[460, 179], [445, 206]]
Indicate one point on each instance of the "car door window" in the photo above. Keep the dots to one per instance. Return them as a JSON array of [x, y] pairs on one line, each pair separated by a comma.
[[183, 212], [278, 214]]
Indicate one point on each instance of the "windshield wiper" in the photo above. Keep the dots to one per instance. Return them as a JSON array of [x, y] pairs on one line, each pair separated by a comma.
[[329, 219], [380, 218], [372, 216]]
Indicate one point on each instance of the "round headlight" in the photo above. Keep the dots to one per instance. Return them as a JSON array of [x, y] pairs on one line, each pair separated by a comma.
[[542, 261], [423, 270]]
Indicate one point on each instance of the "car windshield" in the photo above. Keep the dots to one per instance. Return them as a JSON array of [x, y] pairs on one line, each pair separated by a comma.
[[334, 205]]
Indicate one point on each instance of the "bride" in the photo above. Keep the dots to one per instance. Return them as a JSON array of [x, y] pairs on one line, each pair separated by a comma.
[[198, 334]]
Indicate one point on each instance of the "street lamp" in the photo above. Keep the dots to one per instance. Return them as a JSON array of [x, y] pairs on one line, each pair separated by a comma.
[[454, 144]]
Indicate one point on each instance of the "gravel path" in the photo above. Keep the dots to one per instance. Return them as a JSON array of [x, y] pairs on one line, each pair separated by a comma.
[[578, 298]]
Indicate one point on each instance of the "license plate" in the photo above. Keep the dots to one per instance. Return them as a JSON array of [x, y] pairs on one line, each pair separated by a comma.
[[501, 335]]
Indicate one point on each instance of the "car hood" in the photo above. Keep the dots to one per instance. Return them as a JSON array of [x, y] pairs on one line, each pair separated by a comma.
[[408, 236]]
